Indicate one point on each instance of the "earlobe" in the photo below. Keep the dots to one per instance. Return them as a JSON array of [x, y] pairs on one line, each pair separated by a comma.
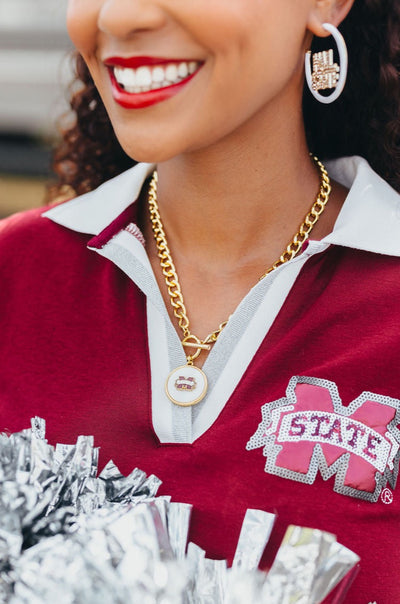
[[314, 25], [328, 11]]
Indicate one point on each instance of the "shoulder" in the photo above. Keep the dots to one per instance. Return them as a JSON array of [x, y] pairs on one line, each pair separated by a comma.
[[18, 223], [28, 228], [32, 232], [32, 248]]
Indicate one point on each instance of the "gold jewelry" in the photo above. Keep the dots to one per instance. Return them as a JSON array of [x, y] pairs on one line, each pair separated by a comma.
[[187, 385], [325, 72], [309, 222]]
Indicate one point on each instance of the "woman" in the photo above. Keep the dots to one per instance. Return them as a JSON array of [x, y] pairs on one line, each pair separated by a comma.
[[293, 403]]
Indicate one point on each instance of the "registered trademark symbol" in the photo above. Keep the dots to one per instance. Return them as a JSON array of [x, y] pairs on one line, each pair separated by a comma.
[[387, 496]]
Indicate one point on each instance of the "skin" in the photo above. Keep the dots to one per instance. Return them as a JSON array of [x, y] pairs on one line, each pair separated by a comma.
[[235, 177]]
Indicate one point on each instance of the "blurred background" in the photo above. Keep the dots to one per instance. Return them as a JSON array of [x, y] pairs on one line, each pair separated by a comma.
[[35, 71]]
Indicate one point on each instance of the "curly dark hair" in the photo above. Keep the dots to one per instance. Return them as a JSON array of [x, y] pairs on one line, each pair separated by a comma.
[[364, 121]]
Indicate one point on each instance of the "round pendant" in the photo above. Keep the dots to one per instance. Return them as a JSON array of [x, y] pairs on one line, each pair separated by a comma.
[[186, 385]]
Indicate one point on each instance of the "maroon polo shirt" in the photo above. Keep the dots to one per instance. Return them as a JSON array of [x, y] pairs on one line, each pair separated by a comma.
[[74, 350]]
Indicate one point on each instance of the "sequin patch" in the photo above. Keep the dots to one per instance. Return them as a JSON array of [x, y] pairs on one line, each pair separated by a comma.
[[309, 430]]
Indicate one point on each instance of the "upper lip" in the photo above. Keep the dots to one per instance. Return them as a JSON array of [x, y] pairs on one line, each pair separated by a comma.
[[140, 61]]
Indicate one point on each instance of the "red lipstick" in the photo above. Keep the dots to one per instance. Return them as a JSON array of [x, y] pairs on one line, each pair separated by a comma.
[[141, 61], [140, 100]]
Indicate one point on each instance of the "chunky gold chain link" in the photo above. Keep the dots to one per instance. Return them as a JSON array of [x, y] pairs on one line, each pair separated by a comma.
[[309, 222], [171, 277], [167, 265]]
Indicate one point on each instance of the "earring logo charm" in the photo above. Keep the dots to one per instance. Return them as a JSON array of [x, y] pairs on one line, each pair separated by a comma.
[[325, 72]]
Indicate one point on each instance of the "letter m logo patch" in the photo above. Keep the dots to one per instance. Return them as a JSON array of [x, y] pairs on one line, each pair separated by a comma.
[[309, 430]]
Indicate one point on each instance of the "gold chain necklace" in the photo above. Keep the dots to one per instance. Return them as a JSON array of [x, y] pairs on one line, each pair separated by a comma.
[[187, 385]]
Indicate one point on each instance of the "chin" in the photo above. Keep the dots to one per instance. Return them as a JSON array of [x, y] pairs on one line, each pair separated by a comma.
[[148, 156], [152, 152], [151, 147]]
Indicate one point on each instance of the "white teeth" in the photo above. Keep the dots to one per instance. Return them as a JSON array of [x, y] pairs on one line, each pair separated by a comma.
[[158, 75], [183, 70], [145, 78], [132, 89], [171, 73], [130, 78], [119, 73]]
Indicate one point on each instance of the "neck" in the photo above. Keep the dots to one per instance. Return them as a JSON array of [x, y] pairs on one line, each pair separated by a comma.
[[230, 211], [246, 195]]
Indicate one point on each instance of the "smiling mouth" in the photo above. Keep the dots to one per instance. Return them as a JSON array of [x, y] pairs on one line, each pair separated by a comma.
[[153, 77]]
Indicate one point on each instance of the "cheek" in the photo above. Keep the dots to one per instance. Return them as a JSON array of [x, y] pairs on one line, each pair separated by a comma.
[[82, 18]]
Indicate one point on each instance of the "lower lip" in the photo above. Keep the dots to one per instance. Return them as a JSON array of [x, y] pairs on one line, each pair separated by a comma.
[[140, 100]]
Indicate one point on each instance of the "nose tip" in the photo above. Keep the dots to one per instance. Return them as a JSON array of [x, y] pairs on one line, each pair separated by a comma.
[[124, 18]]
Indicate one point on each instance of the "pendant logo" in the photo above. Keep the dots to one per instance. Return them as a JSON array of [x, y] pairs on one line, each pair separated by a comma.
[[185, 383], [310, 431]]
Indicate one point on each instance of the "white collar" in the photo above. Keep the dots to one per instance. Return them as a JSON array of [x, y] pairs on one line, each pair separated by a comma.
[[369, 219], [92, 212]]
